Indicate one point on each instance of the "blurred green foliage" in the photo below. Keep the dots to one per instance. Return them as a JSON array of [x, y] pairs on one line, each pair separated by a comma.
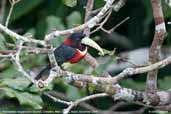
[[36, 18], [70, 3]]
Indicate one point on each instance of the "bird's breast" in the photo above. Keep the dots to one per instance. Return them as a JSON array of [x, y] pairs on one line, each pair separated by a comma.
[[78, 56]]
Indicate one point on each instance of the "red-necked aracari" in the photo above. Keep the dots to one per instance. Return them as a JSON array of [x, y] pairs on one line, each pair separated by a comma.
[[72, 50]]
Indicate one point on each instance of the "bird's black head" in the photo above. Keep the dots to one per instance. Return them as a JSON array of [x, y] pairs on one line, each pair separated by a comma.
[[79, 41], [76, 40], [78, 36]]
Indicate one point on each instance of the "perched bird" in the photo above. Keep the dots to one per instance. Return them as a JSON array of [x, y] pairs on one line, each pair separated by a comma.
[[72, 50]]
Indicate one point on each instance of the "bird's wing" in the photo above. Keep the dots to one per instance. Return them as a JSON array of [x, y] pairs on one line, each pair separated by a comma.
[[44, 73], [64, 53]]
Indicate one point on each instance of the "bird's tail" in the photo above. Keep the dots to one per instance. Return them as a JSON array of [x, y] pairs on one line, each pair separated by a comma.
[[43, 75]]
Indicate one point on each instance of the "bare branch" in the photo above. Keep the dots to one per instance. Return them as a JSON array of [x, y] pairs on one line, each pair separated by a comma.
[[117, 6], [102, 84], [103, 22], [12, 2], [90, 24], [16, 59], [115, 79], [19, 37], [160, 30], [89, 8], [57, 100], [59, 95], [75, 103], [91, 60]]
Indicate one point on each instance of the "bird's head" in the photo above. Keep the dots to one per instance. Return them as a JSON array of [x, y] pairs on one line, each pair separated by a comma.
[[80, 41]]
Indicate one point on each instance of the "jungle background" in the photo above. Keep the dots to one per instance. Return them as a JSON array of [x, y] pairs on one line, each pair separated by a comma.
[[35, 18]]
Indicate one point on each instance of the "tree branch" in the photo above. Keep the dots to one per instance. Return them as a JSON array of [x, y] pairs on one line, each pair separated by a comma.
[[75, 103], [160, 30], [89, 24], [19, 37]]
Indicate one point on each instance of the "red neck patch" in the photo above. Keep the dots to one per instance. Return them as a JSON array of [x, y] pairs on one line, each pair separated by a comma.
[[67, 41], [78, 56]]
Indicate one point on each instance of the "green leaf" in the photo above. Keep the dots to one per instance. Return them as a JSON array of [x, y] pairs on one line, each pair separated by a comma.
[[165, 83], [32, 100], [73, 93], [13, 88], [7, 92], [36, 90], [55, 23], [166, 10], [107, 52], [9, 73], [24, 98], [74, 19], [23, 7], [19, 83], [2, 42], [91, 88], [70, 3]]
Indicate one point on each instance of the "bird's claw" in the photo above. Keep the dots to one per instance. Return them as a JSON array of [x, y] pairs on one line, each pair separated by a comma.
[[40, 84]]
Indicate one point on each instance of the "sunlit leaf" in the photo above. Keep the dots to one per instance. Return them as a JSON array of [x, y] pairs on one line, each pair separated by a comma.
[[91, 88], [70, 3], [107, 52]]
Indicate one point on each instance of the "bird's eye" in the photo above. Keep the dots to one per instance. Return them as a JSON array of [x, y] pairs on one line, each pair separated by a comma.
[[78, 39]]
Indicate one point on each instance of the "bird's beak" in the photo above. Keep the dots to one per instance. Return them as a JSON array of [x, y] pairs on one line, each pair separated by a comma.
[[89, 42]]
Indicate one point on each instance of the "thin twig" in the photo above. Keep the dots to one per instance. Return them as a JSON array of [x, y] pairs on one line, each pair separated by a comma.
[[63, 97], [90, 24], [103, 22], [57, 100], [16, 58], [119, 24], [75, 103], [12, 2]]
